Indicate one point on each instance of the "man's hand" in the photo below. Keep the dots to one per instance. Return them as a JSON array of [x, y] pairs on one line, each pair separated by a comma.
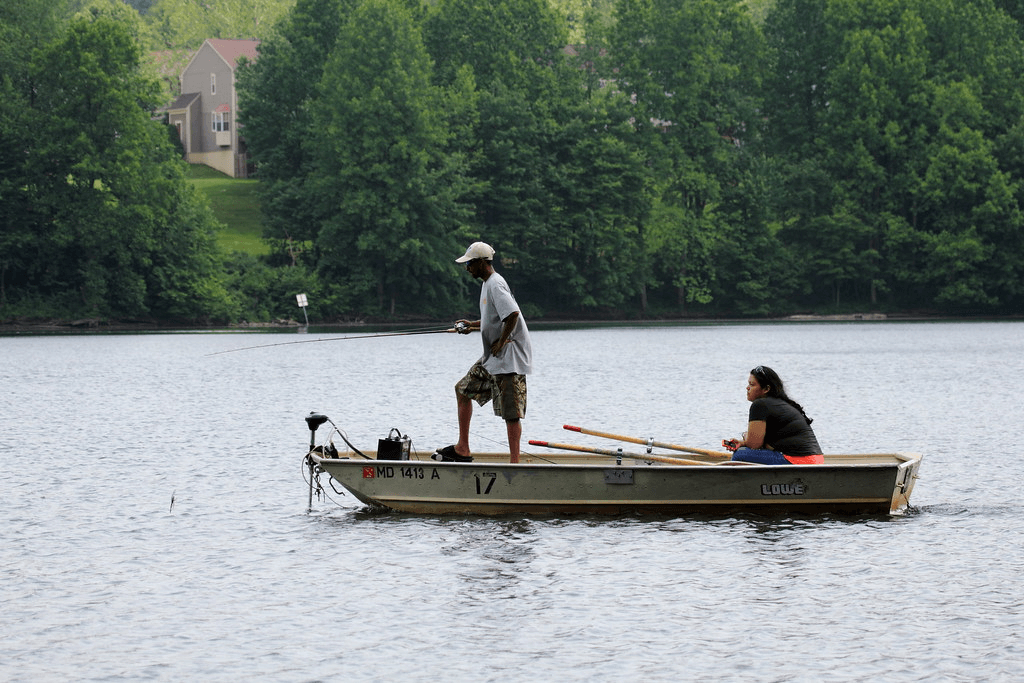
[[497, 346]]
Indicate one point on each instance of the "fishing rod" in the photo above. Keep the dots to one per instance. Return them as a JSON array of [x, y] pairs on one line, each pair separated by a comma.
[[405, 333]]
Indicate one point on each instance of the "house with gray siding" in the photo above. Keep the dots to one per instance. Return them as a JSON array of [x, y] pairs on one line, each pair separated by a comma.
[[206, 113]]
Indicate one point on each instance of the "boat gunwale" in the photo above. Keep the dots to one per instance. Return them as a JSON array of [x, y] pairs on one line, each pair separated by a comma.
[[896, 460]]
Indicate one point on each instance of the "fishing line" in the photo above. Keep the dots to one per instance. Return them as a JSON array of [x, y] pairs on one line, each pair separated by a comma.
[[403, 333], [477, 435]]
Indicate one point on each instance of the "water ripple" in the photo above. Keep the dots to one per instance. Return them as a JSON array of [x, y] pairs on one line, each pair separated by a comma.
[[103, 579]]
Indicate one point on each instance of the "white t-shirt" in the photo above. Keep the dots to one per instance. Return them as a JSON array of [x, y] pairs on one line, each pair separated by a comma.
[[496, 304]]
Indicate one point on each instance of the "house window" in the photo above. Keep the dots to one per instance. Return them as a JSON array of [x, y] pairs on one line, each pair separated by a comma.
[[213, 84], [221, 121]]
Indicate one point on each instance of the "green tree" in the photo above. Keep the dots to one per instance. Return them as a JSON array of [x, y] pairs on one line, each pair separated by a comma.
[[187, 23], [109, 227], [512, 41], [277, 96], [980, 46], [899, 187], [565, 192], [693, 69], [387, 188], [21, 24], [559, 187], [121, 12], [141, 6], [585, 19]]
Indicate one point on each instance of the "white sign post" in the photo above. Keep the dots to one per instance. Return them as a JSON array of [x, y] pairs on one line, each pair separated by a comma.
[[301, 299]]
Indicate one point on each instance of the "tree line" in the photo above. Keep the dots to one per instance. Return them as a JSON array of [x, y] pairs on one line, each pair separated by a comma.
[[685, 157], [96, 216], [624, 157]]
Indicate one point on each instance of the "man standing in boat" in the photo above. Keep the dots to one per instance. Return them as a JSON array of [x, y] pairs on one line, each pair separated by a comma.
[[500, 374]]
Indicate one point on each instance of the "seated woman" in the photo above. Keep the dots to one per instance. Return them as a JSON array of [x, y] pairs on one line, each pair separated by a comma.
[[779, 433]]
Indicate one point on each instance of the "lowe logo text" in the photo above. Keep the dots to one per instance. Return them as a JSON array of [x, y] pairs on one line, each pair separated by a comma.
[[796, 489]]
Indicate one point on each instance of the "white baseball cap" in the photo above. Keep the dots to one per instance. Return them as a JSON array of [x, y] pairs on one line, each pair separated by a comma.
[[477, 250]]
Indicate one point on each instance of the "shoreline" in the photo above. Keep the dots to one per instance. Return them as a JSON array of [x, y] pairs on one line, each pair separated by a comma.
[[102, 325]]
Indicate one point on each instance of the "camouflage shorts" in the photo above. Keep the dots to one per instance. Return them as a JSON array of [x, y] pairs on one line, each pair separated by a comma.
[[508, 391]]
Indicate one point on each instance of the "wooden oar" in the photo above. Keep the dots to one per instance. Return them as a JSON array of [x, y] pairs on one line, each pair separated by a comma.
[[635, 456], [646, 442]]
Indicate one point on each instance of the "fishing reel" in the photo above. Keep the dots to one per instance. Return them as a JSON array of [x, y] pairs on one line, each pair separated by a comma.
[[461, 327]]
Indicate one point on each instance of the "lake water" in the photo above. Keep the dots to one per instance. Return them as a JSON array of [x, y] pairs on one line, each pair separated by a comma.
[[103, 579]]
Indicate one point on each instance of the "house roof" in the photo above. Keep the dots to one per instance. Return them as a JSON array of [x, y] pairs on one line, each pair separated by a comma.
[[181, 102], [231, 50], [228, 50]]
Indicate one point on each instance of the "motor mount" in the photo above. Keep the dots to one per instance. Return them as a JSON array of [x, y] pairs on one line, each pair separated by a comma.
[[314, 420]]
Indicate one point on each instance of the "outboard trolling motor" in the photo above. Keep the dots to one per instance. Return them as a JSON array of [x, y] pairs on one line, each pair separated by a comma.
[[314, 420]]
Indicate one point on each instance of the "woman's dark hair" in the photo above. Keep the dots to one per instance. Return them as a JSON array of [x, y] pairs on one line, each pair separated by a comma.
[[767, 377]]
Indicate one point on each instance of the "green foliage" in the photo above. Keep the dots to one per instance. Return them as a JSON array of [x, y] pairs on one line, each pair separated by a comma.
[[706, 155], [263, 293], [750, 157], [123, 14], [513, 41], [186, 23], [559, 185], [903, 129], [382, 164], [103, 222], [277, 97], [694, 69]]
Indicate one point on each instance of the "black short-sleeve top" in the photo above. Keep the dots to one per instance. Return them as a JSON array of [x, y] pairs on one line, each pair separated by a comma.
[[786, 429]]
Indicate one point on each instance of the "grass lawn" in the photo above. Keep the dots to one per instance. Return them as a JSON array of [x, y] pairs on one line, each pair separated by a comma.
[[234, 203]]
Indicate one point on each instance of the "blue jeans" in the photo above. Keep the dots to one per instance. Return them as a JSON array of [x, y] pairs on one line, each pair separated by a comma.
[[763, 456]]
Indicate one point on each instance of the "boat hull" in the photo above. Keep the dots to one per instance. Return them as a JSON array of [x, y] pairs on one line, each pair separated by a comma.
[[856, 484]]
